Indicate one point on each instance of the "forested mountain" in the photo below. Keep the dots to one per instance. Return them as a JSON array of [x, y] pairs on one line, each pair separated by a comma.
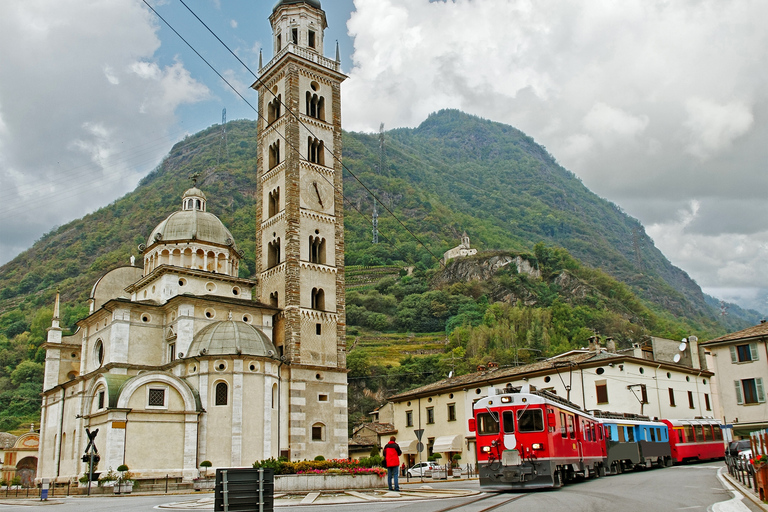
[[454, 173]]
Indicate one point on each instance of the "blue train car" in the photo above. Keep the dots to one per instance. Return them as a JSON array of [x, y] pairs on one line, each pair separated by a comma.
[[632, 440]]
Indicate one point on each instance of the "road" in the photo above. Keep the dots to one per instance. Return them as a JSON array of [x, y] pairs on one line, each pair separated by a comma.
[[689, 488]]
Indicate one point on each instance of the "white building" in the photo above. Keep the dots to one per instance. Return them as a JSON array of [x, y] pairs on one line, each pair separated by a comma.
[[183, 361], [629, 381], [740, 362]]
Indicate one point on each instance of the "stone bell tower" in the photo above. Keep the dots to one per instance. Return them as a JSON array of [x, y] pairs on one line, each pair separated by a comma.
[[300, 227]]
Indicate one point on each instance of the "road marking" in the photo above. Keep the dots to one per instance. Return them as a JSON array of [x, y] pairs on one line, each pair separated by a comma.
[[732, 505]]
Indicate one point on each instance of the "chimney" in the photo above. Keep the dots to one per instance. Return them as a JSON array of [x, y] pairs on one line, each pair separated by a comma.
[[481, 368], [610, 345]]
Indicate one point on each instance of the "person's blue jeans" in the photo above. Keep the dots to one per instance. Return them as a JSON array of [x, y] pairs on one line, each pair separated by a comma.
[[393, 472]]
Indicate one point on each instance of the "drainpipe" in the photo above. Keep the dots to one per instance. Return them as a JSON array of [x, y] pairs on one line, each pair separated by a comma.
[[658, 394], [583, 392]]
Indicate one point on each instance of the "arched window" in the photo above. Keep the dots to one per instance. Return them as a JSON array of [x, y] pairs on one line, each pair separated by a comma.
[[274, 395], [315, 106], [273, 299], [274, 109], [318, 299], [274, 154], [315, 151], [318, 432], [274, 202], [273, 253], [317, 250], [222, 393]]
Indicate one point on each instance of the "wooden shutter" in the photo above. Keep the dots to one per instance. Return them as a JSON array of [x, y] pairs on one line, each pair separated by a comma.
[[734, 357], [760, 389], [753, 351], [739, 398]]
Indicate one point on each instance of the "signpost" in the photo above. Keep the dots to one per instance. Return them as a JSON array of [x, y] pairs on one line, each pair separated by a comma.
[[420, 447], [91, 455]]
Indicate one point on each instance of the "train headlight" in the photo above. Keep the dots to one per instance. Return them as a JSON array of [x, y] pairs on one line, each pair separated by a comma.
[[537, 446], [486, 449], [506, 399]]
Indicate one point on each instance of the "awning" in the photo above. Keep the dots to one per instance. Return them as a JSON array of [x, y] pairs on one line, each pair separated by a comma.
[[409, 447], [445, 444]]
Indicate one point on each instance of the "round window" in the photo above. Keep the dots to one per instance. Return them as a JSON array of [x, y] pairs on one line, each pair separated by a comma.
[[235, 291], [182, 282], [600, 371], [146, 318], [547, 378], [210, 313], [642, 370], [220, 366], [211, 287], [247, 319]]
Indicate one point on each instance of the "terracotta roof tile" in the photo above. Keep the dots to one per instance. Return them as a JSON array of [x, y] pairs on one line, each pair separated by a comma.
[[750, 332]]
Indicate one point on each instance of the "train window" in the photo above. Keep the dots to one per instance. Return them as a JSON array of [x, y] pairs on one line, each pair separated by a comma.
[[704, 433], [689, 434], [487, 424], [563, 431], [531, 420], [622, 434], [653, 434], [699, 433], [631, 434], [508, 422], [571, 427], [594, 431], [718, 434]]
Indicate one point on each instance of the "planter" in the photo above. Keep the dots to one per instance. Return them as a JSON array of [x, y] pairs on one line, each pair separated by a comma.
[[439, 474], [761, 481], [124, 488], [327, 482], [200, 484]]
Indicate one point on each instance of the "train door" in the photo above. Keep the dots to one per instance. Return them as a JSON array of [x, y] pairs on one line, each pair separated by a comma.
[[508, 426]]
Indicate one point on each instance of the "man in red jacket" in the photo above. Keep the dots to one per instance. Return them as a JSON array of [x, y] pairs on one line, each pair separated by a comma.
[[392, 454]]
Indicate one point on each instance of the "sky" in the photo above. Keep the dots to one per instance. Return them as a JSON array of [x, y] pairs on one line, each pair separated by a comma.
[[658, 106]]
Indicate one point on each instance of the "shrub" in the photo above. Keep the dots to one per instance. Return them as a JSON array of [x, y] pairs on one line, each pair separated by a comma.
[[319, 457], [122, 468]]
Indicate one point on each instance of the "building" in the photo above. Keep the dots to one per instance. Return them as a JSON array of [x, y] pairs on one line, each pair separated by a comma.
[[460, 251], [300, 224], [367, 436], [19, 457], [740, 362], [182, 360], [596, 379]]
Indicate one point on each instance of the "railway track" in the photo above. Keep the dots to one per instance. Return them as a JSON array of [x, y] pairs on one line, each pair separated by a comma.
[[503, 497]]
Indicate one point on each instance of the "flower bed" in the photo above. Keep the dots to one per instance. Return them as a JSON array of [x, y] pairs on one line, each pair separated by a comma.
[[324, 475]]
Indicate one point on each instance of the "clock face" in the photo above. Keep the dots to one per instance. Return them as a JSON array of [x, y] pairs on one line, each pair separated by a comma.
[[317, 192]]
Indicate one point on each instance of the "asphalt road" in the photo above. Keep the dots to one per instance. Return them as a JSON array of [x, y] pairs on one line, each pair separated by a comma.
[[690, 488]]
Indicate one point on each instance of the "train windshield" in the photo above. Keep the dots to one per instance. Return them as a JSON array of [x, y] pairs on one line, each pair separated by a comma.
[[508, 419], [530, 420], [487, 424]]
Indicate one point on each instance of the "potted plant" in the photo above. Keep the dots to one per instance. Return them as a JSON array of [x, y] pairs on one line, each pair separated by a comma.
[[124, 482], [455, 468], [203, 482], [438, 472]]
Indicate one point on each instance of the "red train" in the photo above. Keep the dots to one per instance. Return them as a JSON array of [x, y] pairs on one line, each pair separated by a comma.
[[535, 439]]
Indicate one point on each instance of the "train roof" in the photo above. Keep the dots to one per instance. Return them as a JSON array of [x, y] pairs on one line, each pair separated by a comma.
[[526, 395], [695, 421]]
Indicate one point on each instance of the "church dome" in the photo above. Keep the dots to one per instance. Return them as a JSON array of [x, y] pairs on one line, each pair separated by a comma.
[[192, 223], [230, 338], [313, 3]]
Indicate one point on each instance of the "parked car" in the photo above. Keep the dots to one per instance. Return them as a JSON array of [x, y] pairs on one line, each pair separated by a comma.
[[738, 446], [422, 469]]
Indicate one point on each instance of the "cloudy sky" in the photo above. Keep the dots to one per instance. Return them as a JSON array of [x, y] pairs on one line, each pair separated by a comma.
[[659, 106]]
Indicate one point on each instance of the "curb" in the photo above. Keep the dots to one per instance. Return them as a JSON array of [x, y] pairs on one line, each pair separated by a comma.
[[744, 491]]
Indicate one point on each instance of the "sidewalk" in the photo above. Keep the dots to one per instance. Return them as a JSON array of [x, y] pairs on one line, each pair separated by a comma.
[[744, 491]]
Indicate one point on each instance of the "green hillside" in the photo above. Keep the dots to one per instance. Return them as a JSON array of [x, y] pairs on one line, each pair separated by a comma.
[[454, 173]]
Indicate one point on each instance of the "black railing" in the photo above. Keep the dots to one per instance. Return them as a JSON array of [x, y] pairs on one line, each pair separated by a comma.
[[742, 470]]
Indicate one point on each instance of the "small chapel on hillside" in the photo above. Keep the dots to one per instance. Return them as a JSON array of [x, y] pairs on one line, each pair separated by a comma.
[[180, 360]]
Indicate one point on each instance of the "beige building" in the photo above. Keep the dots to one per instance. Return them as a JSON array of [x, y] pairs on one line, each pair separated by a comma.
[[183, 361], [460, 251], [740, 362], [629, 381]]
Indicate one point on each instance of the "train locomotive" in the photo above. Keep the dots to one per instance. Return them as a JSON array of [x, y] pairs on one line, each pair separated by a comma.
[[534, 439]]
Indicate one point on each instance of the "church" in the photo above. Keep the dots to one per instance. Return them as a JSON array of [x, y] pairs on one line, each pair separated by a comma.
[[180, 360]]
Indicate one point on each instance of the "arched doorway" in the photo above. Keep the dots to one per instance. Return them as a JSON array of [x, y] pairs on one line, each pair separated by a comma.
[[26, 469]]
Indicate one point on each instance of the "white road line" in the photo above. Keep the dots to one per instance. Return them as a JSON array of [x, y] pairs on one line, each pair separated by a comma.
[[732, 505]]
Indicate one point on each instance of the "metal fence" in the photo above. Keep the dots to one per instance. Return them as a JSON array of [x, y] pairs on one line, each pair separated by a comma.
[[742, 470]]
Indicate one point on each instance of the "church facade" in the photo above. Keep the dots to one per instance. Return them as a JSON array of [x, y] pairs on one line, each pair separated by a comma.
[[183, 361]]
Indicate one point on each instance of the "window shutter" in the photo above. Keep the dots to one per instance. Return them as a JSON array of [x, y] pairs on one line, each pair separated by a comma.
[[760, 390], [734, 357], [753, 351], [739, 399]]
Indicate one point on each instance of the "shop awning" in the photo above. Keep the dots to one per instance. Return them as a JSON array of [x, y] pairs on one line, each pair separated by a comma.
[[409, 447], [445, 444]]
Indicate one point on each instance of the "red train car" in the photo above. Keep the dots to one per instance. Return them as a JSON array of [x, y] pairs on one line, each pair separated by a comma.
[[699, 439], [535, 439]]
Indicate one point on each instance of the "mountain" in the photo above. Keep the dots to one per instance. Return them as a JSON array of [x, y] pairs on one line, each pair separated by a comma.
[[453, 173]]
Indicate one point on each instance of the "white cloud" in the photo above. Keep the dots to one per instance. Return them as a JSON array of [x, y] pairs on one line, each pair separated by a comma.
[[90, 90], [713, 127], [233, 23]]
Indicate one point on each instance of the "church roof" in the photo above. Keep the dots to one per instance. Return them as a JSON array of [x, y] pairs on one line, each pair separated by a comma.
[[192, 225], [313, 3], [229, 338]]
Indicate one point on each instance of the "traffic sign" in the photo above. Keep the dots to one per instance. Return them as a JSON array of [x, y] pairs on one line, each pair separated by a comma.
[[419, 447], [419, 432]]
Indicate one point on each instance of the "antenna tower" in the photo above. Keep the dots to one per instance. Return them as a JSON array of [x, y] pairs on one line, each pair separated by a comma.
[[375, 219], [223, 147]]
